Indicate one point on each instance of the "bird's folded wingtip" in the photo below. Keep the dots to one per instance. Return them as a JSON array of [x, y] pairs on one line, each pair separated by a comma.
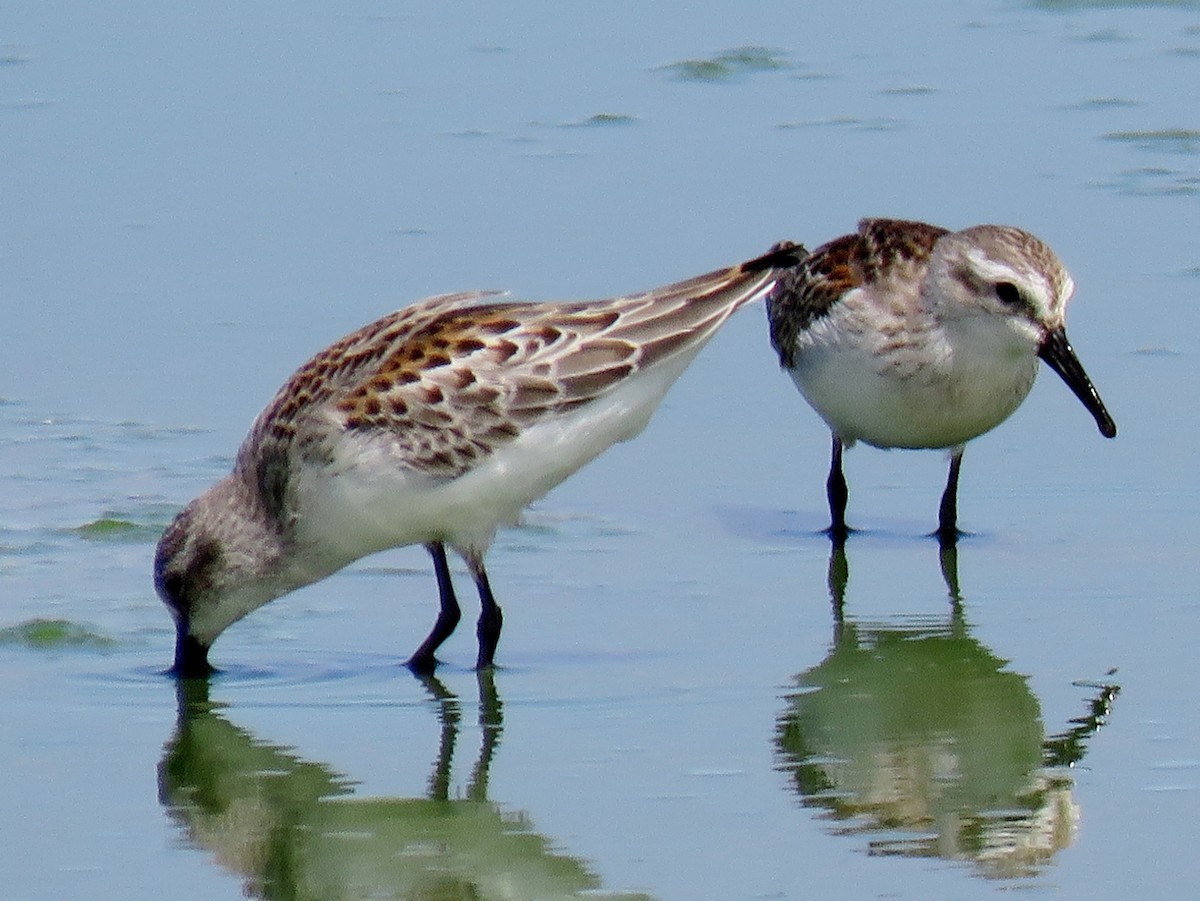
[[782, 255]]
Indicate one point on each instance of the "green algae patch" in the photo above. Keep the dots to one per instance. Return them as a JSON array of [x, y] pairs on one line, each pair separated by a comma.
[[113, 527], [50, 634], [728, 65]]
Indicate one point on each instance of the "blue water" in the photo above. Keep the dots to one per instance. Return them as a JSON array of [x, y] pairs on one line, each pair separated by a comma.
[[695, 700]]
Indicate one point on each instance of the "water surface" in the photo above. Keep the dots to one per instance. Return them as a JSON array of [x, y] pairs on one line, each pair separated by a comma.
[[696, 699]]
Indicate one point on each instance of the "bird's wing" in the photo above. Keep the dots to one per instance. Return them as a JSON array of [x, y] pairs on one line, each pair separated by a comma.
[[448, 380], [809, 290]]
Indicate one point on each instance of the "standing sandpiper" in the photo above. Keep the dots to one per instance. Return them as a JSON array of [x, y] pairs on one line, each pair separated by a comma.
[[434, 425], [908, 335]]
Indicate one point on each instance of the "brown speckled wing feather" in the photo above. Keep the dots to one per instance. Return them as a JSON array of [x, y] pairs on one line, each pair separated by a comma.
[[297, 420], [806, 292], [448, 380]]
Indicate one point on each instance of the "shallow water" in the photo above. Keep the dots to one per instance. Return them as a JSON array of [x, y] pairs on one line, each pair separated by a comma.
[[696, 699]]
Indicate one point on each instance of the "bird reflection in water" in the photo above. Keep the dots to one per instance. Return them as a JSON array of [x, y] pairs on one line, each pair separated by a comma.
[[295, 829], [916, 736]]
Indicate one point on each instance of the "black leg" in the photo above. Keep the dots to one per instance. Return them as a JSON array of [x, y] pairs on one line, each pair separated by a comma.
[[491, 619], [423, 661], [947, 532], [838, 494]]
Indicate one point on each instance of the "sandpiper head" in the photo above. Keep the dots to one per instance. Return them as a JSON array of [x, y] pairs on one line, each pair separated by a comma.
[[999, 271], [210, 570], [185, 569], [1001, 274]]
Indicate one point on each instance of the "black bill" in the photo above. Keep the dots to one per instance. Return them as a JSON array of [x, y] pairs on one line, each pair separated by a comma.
[[1056, 350], [191, 657]]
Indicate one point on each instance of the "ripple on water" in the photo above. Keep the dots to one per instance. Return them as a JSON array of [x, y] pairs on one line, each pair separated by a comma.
[[13, 56], [1102, 103], [1069, 5], [848, 123], [319, 679], [916, 90], [1152, 181], [1176, 765]]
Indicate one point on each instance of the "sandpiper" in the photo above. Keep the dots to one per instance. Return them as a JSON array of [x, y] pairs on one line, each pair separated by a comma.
[[908, 335], [435, 425]]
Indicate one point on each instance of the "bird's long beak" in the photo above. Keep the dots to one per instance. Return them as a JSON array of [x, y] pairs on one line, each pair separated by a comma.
[[191, 656], [1056, 350]]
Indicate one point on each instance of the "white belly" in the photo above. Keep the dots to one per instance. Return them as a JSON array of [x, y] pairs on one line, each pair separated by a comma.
[[365, 502], [929, 396]]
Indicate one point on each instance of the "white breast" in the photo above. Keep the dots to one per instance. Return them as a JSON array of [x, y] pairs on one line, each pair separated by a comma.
[[912, 383]]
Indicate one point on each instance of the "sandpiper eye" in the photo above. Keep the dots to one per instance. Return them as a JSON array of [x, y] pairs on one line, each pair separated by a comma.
[[1008, 293]]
